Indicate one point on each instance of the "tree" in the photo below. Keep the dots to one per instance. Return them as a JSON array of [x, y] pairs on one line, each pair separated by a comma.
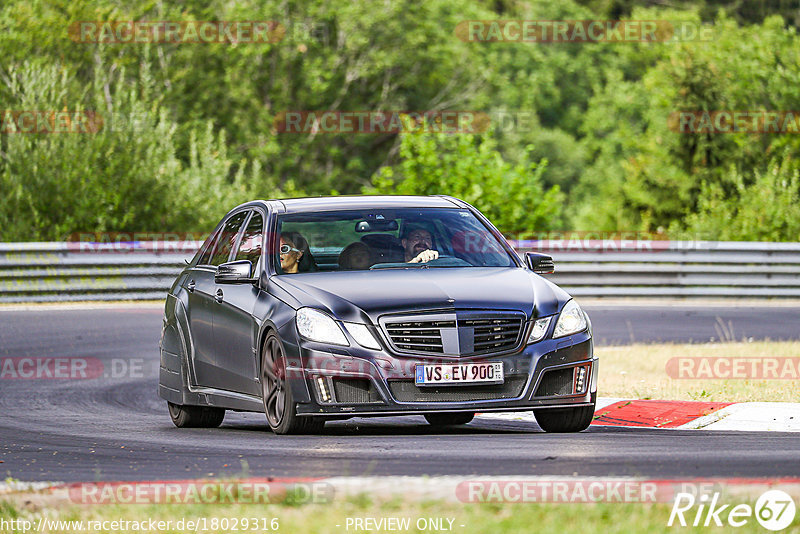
[[767, 209], [470, 167]]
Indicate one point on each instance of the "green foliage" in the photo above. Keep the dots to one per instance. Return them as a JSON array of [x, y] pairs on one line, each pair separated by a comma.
[[651, 177], [744, 12], [470, 167], [126, 177], [767, 209], [189, 129]]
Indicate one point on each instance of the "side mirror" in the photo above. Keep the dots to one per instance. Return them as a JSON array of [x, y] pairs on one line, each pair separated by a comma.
[[235, 272], [540, 263]]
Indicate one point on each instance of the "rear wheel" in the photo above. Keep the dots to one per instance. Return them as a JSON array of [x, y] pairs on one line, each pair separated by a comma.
[[449, 419], [279, 406], [184, 416], [562, 420]]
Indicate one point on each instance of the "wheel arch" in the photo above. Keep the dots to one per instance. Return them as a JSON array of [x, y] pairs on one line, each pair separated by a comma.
[[291, 351], [266, 328]]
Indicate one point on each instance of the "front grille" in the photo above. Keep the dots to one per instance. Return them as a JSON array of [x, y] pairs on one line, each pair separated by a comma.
[[493, 335], [461, 333], [407, 391], [558, 382], [421, 336], [355, 391]]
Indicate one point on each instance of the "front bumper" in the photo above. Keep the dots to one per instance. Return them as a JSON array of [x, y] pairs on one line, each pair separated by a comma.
[[353, 381]]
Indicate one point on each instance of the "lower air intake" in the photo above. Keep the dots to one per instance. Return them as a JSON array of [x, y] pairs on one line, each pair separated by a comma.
[[554, 383], [355, 391]]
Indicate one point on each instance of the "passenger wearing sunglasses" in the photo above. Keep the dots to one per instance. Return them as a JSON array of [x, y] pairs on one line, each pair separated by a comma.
[[295, 254]]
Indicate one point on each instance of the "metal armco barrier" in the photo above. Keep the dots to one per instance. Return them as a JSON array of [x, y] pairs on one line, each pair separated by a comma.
[[41, 272], [70, 271], [635, 268]]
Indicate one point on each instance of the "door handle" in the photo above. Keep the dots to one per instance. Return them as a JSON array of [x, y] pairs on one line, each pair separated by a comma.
[[219, 295], [191, 285]]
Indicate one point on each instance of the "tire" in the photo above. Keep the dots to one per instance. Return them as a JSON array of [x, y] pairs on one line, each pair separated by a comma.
[[184, 416], [449, 418], [279, 407], [563, 420]]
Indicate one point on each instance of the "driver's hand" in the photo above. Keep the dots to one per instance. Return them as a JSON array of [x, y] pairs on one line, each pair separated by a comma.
[[425, 256]]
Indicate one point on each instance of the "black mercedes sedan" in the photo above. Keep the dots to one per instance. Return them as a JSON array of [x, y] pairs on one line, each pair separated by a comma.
[[319, 309]]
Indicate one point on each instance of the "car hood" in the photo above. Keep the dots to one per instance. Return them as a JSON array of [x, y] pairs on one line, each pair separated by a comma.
[[351, 295]]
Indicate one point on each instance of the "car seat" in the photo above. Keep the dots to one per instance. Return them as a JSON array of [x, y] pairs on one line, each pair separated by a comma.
[[387, 248]]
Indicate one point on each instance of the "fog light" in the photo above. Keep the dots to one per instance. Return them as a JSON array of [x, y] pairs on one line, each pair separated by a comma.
[[580, 379], [324, 392]]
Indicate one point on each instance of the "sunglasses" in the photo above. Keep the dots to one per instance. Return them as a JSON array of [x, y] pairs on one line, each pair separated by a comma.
[[285, 249]]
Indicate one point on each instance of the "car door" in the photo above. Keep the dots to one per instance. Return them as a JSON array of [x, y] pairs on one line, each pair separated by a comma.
[[203, 299], [199, 285], [235, 329]]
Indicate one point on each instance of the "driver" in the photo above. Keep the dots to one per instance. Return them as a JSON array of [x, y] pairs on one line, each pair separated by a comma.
[[417, 246]]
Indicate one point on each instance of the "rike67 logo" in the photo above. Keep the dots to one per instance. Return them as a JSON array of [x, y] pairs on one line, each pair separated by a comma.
[[774, 510]]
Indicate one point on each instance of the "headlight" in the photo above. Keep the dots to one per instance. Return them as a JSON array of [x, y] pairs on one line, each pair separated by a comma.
[[362, 334], [539, 329], [571, 320], [317, 326]]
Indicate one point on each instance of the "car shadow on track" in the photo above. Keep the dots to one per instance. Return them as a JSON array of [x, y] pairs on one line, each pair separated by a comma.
[[415, 425], [399, 426]]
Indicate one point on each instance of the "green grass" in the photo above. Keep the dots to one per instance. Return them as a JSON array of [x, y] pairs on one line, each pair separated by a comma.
[[332, 518], [639, 372]]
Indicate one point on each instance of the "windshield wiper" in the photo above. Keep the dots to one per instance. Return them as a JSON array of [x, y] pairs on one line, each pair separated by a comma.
[[379, 266]]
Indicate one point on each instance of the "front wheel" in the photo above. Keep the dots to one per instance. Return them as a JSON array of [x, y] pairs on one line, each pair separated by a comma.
[[184, 416], [449, 419], [563, 420], [279, 405]]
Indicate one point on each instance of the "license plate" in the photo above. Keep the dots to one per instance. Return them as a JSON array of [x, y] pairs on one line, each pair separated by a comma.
[[459, 373]]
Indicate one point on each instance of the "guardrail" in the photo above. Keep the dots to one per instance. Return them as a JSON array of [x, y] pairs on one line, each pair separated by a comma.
[[673, 268], [62, 271], [69, 271]]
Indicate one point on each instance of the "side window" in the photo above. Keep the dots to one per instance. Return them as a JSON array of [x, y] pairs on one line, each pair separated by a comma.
[[227, 238], [250, 245], [209, 248]]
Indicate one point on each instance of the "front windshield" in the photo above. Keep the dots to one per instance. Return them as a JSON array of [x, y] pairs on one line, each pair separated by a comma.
[[377, 239]]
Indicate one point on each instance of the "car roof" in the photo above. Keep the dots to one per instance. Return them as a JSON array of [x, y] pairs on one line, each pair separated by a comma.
[[300, 205]]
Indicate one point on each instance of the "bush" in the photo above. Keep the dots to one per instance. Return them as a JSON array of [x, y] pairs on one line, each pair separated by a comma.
[[125, 177], [765, 210], [469, 167]]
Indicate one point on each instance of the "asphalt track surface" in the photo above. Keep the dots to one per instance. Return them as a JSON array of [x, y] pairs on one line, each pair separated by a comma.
[[115, 427]]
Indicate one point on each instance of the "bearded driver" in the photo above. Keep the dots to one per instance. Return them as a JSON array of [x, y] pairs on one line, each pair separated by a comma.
[[417, 246]]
